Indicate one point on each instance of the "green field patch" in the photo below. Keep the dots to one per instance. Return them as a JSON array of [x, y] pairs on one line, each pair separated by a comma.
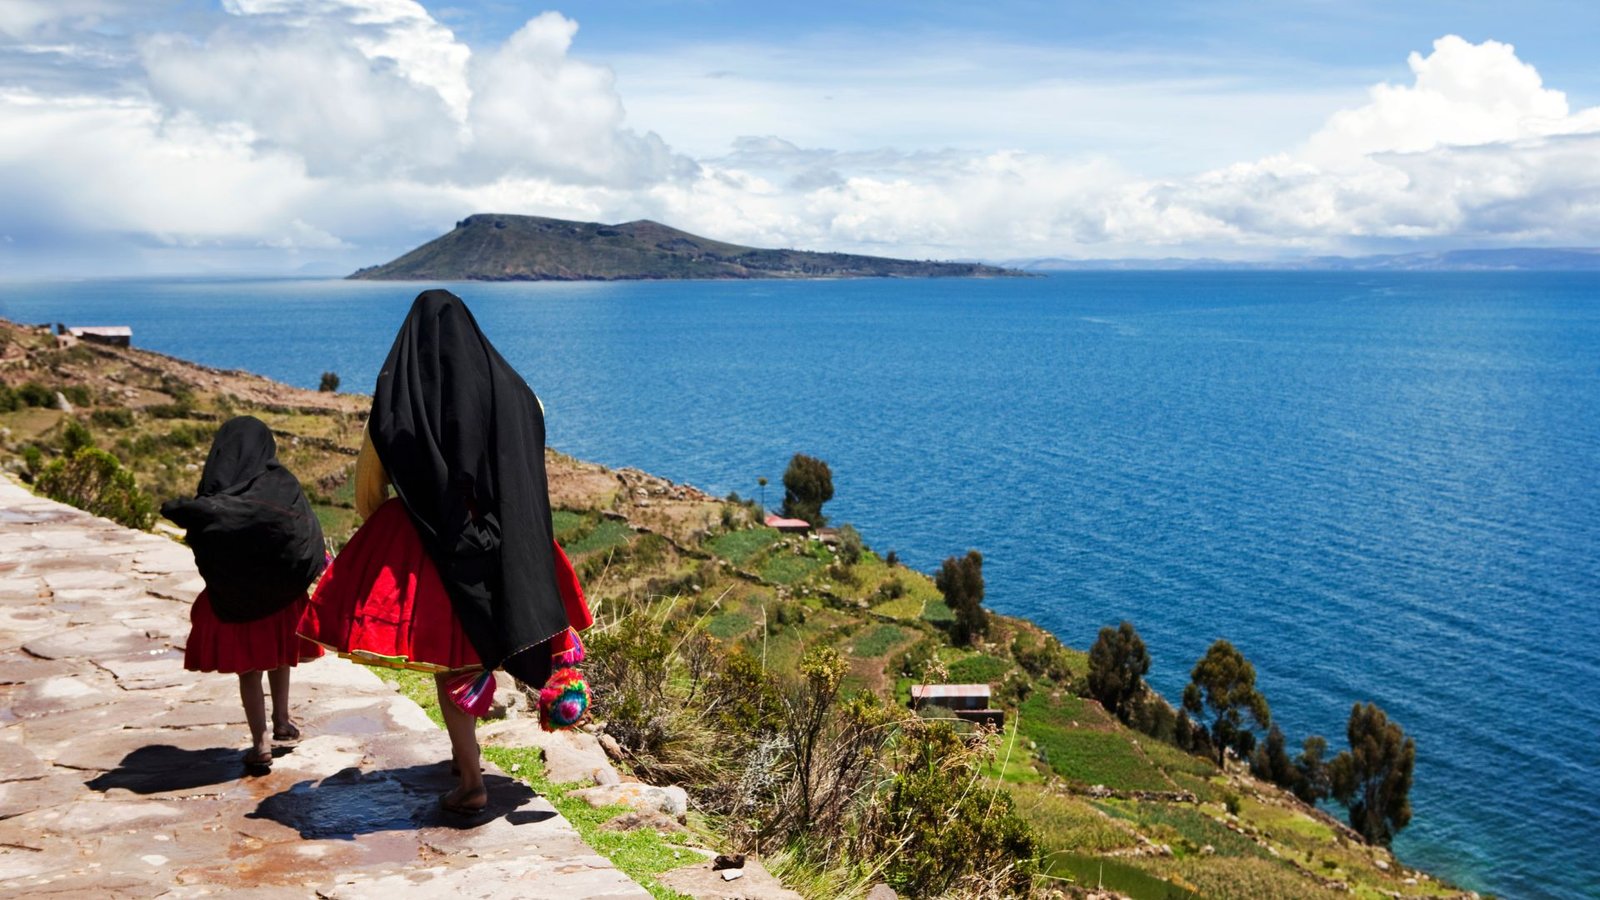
[[607, 533], [789, 569], [938, 612], [1113, 875], [1175, 760], [1086, 755], [878, 640], [1067, 823], [739, 546], [565, 522], [979, 668], [1243, 877], [1186, 830], [907, 607], [1013, 762], [728, 625]]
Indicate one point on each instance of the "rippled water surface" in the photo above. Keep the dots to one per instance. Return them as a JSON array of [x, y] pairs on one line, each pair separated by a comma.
[[1380, 487]]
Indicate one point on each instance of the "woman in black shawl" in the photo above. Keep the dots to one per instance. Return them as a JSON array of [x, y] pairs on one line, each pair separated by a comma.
[[258, 546], [459, 574]]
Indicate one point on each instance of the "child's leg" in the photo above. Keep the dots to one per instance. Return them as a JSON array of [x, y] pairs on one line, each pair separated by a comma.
[[464, 749], [255, 712], [283, 727]]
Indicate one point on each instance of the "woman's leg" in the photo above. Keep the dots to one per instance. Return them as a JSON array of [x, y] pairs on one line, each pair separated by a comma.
[[283, 727], [255, 713], [470, 792]]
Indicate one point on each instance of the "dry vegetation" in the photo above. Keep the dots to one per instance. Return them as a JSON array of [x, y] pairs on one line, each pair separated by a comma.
[[727, 652]]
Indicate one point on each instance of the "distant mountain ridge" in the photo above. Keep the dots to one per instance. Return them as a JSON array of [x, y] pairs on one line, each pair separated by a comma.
[[1507, 259], [494, 247]]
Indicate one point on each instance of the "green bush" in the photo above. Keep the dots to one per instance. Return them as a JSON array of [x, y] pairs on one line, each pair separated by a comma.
[[77, 395], [93, 480], [32, 461], [939, 832], [75, 436], [329, 383], [35, 394], [112, 418]]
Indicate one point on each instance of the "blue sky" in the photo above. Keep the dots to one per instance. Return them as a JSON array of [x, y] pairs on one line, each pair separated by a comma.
[[280, 135]]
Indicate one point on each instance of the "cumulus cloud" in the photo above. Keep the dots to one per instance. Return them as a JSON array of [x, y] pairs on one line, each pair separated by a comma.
[[353, 128]]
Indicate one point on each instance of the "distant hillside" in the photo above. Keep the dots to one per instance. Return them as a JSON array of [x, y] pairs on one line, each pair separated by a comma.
[[1510, 259], [489, 247]]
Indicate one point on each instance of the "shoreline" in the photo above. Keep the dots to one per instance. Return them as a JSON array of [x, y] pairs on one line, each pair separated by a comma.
[[692, 523]]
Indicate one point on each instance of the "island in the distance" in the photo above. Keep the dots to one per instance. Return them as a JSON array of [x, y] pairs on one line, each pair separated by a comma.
[[491, 247]]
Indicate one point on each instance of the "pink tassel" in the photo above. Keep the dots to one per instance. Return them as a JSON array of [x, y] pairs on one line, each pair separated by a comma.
[[473, 693], [573, 654]]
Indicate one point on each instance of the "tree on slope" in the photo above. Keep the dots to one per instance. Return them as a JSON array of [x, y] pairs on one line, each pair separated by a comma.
[[1117, 666], [1223, 685], [1373, 778], [960, 580], [807, 484]]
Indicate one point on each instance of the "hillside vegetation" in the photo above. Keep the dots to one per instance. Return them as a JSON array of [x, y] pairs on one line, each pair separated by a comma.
[[492, 247], [721, 643]]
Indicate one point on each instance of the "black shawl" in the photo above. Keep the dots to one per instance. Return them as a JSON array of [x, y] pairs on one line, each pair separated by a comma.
[[461, 436], [255, 539]]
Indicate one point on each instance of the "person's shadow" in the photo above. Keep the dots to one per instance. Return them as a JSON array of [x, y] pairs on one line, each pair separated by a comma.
[[352, 802], [161, 768]]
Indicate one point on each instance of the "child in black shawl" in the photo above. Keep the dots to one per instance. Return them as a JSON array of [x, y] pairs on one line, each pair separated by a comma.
[[258, 546]]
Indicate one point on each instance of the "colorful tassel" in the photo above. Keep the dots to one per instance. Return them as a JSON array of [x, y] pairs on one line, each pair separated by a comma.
[[563, 700], [573, 654], [473, 693]]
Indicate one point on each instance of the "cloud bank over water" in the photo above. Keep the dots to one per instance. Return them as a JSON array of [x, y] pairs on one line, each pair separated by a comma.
[[275, 132]]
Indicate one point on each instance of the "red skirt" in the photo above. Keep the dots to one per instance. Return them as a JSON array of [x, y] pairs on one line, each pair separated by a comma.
[[236, 647], [381, 602]]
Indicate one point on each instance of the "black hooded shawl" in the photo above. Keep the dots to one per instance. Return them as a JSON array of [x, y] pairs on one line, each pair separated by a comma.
[[461, 436], [255, 539]]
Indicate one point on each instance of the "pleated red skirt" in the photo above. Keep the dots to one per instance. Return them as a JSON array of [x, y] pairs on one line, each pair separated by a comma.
[[381, 601], [236, 647]]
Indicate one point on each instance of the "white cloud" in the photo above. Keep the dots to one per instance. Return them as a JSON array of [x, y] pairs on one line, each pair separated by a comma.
[[356, 127], [20, 18]]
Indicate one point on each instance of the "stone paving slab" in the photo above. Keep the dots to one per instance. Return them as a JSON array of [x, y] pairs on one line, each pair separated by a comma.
[[121, 774]]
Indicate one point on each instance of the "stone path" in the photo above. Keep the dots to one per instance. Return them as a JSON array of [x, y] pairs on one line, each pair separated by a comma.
[[121, 775]]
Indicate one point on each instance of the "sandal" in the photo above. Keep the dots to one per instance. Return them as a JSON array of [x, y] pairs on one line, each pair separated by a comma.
[[461, 808], [288, 734], [257, 763]]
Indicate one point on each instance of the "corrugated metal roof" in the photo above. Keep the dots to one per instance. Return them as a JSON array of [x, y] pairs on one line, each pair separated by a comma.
[[781, 522], [929, 691], [103, 330]]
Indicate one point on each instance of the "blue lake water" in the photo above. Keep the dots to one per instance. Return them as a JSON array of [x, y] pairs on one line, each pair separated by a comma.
[[1380, 487]]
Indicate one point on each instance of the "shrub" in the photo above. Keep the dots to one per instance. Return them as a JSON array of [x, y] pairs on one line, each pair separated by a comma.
[[329, 382], [939, 830], [93, 480], [112, 418], [850, 545], [32, 461], [170, 410], [77, 395], [35, 394], [75, 436]]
